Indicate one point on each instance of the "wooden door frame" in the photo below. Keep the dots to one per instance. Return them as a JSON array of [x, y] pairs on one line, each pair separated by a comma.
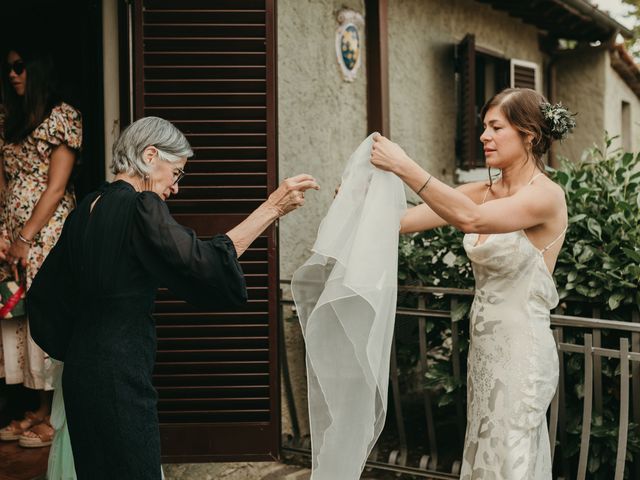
[[273, 250], [377, 34]]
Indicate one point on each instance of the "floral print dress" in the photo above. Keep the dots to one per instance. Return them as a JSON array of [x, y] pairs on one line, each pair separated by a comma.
[[26, 170]]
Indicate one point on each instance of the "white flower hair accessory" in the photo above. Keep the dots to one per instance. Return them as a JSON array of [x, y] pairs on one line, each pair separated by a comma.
[[559, 119]]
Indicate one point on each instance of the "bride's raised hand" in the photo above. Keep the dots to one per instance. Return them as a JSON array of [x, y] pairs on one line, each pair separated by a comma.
[[387, 155]]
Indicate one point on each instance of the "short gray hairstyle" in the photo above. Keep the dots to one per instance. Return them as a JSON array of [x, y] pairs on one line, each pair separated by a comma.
[[171, 144]]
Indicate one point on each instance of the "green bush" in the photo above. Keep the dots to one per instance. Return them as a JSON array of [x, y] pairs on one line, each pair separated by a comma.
[[598, 268], [600, 261]]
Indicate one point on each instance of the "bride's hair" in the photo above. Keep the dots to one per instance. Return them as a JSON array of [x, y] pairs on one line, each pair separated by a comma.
[[530, 113]]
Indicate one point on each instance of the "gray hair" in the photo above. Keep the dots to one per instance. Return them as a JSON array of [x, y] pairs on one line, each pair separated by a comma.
[[171, 144]]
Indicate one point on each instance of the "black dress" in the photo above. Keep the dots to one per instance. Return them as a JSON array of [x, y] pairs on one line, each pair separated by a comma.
[[90, 305]]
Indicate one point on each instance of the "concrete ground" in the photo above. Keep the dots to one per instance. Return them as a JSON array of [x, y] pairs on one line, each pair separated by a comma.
[[242, 471], [236, 471]]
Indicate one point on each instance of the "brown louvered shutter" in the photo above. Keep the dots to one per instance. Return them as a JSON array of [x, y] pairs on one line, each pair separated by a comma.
[[209, 67], [523, 76], [466, 65]]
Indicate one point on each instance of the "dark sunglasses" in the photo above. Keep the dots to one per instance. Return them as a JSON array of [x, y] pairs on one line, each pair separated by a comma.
[[18, 67], [179, 176]]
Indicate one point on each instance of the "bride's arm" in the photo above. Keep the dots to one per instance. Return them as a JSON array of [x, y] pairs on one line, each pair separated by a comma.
[[422, 217], [530, 207]]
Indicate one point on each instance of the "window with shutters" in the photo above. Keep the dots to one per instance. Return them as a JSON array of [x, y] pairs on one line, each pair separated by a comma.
[[524, 74], [480, 74], [208, 66]]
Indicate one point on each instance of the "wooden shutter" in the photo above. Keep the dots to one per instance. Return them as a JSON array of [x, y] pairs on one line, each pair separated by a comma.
[[466, 66], [523, 74], [208, 66]]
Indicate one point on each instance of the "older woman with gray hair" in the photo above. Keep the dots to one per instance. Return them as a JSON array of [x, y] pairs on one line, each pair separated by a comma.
[[91, 303]]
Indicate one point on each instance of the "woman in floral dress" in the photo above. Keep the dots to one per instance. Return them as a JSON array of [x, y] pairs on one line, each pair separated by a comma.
[[39, 140]]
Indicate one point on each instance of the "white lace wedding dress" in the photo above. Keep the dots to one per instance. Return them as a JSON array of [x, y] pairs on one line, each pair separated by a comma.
[[513, 361]]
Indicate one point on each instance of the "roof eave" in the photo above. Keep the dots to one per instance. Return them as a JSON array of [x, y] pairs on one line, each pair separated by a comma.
[[600, 17]]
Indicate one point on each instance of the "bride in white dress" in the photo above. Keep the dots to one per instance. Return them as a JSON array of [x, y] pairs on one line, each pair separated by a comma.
[[514, 232]]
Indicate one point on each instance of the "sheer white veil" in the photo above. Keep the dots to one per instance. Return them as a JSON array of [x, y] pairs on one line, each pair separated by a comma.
[[345, 295]]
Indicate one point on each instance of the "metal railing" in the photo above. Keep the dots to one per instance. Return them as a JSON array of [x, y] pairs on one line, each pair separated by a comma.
[[425, 460]]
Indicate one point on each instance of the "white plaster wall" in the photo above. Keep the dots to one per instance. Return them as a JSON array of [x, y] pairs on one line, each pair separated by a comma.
[[580, 79], [422, 36], [616, 92], [321, 120]]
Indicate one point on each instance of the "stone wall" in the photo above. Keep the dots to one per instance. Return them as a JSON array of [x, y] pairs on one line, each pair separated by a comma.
[[580, 78]]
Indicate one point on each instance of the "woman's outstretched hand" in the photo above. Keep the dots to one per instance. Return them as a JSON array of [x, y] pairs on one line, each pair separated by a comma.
[[290, 194], [286, 198], [387, 155]]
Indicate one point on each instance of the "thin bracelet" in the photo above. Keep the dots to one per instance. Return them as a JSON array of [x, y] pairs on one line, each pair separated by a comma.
[[425, 185], [25, 240]]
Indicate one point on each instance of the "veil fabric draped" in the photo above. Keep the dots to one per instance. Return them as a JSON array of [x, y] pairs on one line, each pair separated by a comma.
[[345, 295]]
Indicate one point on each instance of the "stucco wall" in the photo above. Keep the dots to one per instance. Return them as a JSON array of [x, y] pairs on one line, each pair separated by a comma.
[[321, 120], [580, 78], [616, 92], [422, 36]]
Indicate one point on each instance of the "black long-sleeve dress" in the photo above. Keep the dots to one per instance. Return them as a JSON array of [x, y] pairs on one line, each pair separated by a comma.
[[90, 305]]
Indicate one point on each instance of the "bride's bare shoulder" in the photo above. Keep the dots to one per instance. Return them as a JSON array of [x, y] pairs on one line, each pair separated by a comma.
[[474, 190]]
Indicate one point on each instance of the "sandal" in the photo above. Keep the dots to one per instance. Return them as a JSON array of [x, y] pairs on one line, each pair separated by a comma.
[[18, 427], [40, 435]]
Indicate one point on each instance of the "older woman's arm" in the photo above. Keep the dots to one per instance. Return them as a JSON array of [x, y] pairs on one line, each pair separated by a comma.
[[205, 272], [287, 197]]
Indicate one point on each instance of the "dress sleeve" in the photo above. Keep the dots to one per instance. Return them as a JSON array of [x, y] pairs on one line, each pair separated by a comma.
[[49, 300], [205, 273], [64, 125]]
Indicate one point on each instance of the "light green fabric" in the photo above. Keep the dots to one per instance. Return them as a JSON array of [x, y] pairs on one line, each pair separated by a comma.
[[60, 456]]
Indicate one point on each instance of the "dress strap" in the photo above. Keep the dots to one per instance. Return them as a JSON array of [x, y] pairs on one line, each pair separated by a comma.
[[534, 177], [485, 194], [557, 238]]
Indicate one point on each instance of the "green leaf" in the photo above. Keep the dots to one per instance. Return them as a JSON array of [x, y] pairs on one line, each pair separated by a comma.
[[561, 177], [429, 326], [445, 400], [459, 312], [594, 227], [586, 255], [627, 158], [635, 256], [615, 299], [583, 290]]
